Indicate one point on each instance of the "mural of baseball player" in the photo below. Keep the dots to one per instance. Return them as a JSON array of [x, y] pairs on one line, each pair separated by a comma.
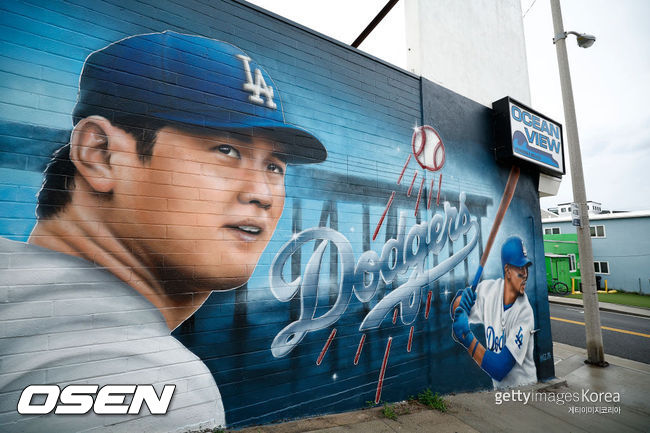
[[170, 187], [503, 308]]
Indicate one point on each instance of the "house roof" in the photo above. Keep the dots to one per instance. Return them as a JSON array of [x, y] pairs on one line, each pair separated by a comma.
[[588, 201], [606, 216], [548, 214]]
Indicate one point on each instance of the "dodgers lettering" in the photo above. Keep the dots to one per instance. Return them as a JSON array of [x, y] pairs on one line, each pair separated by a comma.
[[407, 251], [494, 344]]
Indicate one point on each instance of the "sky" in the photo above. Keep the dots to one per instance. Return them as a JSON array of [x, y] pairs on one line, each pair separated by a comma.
[[611, 89], [611, 79]]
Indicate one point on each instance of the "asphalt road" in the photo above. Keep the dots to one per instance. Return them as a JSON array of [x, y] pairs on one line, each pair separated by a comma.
[[617, 343]]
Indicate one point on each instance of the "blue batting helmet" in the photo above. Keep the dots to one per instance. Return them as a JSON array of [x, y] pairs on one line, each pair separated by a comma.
[[173, 78], [513, 252]]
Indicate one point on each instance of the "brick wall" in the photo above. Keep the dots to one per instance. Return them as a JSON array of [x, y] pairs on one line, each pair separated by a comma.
[[155, 227]]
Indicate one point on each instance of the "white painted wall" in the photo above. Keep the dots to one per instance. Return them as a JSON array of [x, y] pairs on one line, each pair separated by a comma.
[[474, 47]]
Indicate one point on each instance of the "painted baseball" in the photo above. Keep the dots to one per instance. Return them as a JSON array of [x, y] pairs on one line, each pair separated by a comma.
[[428, 148]]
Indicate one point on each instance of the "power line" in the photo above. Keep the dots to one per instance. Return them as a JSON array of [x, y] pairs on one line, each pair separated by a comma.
[[380, 16], [529, 8]]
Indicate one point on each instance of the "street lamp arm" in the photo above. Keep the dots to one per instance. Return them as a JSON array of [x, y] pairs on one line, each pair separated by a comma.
[[584, 40]]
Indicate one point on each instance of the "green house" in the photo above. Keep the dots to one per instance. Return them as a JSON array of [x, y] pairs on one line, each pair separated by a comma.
[[562, 259]]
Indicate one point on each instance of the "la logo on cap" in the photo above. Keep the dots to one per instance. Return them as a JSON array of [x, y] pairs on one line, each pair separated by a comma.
[[257, 88]]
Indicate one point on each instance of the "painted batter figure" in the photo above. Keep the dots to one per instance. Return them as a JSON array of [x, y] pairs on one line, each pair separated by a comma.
[[170, 187], [503, 308]]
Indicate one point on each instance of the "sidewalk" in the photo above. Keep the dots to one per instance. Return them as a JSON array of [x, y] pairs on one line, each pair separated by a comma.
[[473, 412], [603, 306]]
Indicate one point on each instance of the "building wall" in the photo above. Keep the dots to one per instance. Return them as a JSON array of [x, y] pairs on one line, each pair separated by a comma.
[[475, 48], [358, 341], [563, 245], [625, 247]]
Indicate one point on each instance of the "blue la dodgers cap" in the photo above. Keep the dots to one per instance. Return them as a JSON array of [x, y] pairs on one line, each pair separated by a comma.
[[174, 78], [513, 252]]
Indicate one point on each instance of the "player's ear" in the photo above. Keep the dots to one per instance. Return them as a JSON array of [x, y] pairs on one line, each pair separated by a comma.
[[90, 152]]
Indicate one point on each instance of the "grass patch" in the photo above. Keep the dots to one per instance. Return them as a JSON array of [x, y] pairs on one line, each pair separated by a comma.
[[389, 411], [431, 400], [631, 299]]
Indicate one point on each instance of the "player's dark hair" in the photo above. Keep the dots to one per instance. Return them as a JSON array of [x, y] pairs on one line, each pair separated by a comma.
[[58, 179]]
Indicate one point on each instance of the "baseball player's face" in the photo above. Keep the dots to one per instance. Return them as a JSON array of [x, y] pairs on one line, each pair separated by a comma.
[[205, 206], [518, 277]]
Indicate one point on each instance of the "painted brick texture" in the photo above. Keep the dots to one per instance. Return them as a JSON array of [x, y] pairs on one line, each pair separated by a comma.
[[207, 242]]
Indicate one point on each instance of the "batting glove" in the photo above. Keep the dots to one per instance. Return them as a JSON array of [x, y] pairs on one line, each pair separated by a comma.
[[460, 329], [467, 300], [451, 304]]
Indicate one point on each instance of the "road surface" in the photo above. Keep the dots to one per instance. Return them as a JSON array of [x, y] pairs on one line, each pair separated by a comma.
[[624, 335]]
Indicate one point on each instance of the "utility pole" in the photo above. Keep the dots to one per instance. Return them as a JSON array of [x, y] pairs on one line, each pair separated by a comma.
[[595, 353]]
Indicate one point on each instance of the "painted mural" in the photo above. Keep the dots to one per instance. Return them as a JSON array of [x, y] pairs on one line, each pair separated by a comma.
[[212, 246]]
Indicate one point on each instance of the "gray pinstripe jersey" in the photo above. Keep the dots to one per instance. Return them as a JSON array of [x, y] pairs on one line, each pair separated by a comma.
[[64, 320]]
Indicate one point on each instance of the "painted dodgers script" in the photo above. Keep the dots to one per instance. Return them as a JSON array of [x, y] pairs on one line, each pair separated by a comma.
[[397, 257]]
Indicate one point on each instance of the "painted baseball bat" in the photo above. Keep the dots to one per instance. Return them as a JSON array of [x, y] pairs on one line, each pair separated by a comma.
[[508, 193]]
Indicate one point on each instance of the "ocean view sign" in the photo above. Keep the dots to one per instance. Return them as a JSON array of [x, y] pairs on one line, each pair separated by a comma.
[[527, 135]]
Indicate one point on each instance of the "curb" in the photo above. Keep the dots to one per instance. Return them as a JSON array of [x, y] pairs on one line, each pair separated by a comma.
[[603, 306], [553, 385]]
